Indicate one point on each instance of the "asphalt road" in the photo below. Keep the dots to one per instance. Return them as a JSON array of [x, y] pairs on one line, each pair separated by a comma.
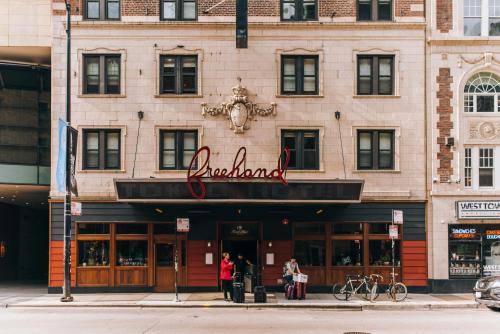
[[234, 321]]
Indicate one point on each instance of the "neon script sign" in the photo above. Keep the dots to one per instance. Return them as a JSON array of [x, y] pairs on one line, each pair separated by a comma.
[[238, 170]]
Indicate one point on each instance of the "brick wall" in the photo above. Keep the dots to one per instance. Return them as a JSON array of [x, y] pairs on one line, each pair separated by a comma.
[[444, 15], [444, 124], [140, 8], [76, 7], [409, 8]]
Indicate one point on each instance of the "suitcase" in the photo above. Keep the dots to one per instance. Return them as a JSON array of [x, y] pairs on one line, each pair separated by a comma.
[[260, 295], [238, 293], [300, 290], [289, 291], [248, 283]]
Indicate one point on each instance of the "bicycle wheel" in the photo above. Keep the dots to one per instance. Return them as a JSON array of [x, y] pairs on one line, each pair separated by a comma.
[[342, 292], [399, 292]]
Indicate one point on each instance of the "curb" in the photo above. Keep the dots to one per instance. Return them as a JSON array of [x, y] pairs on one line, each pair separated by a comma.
[[374, 307]]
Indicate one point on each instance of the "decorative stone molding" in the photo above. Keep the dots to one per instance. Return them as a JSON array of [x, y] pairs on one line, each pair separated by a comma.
[[239, 110], [487, 57], [484, 130]]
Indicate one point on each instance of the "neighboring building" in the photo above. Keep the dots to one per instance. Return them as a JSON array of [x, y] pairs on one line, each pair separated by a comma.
[[463, 142], [25, 41], [365, 59]]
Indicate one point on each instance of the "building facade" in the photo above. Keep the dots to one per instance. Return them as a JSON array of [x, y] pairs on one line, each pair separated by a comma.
[[154, 82], [463, 85], [25, 40]]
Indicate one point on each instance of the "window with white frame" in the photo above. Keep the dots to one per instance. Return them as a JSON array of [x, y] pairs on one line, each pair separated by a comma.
[[479, 167], [482, 17], [481, 93]]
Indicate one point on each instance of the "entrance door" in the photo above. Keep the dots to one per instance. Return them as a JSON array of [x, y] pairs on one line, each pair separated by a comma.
[[164, 266]]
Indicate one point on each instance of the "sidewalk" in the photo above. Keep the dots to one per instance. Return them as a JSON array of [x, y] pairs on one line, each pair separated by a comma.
[[16, 296]]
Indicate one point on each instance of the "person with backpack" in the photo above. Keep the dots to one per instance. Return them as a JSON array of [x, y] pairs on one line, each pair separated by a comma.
[[226, 277]]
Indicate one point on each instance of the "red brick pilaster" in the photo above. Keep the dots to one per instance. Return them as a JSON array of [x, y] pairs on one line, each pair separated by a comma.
[[444, 15], [444, 124]]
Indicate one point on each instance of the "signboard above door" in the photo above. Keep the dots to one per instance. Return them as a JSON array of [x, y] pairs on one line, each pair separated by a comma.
[[478, 209]]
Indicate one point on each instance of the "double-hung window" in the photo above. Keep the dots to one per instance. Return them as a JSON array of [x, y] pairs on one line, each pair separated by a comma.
[[480, 170], [177, 148], [178, 10], [375, 75], [102, 9], [299, 75], [481, 17], [299, 10], [304, 148], [374, 10], [101, 149], [375, 149], [178, 74], [101, 74], [481, 94]]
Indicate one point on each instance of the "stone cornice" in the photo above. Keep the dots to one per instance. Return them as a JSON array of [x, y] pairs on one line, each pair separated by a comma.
[[463, 41]]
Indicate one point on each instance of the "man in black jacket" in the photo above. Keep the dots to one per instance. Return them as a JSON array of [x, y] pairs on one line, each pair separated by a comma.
[[239, 268]]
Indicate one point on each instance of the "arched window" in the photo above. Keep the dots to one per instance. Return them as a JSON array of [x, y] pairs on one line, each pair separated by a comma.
[[481, 93]]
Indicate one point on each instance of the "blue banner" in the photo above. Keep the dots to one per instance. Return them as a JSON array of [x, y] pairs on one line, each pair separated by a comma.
[[61, 159]]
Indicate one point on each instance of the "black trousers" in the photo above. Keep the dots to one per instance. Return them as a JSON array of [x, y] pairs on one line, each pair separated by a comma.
[[227, 286]]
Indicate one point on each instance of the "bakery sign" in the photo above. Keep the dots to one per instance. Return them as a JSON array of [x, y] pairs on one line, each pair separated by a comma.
[[478, 209]]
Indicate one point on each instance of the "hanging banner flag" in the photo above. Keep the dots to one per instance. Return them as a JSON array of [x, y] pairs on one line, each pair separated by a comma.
[[61, 158]]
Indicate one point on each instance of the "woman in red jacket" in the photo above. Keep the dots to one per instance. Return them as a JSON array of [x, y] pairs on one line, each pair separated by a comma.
[[226, 267]]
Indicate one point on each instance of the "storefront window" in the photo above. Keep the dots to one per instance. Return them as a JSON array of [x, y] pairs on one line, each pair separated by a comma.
[[347, 252], [491, 252], [309, 228], [131, 253], [131, 229], [93, 253], [381, 252], [93, 228], [310, 253], [379, 228], [347, 228]]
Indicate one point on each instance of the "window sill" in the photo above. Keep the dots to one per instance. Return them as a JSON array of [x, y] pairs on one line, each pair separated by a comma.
[[101, 171], [302, 171], [391, 171], [101, 95], [376, 96], [299, 96], [177, 96]]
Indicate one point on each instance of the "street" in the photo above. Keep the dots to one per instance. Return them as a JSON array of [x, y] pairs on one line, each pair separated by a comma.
[[221, 320]]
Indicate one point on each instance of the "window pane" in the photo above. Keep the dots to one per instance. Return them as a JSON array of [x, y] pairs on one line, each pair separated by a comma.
[[113, 9], [289, 140], [169, 159], [189, 84], [381, 252], [472, 8], [189, 9], [310, 161], [93, 253], [365, 86], [379, 229], [364, 10], [169, 10], [189, 141], [164, 255], [365, 67], [384, 10], [310, 252], [385, 160], [472, 26], [289, 84], [132, 253], [365, 141], [486, 177], [168, 84], [289, 66], [338, 228], [131, 228], [309, 66], [385, 141], [309, 10], [92, 75], [169, 140], [309, 85], [93, 9], [468, 168], [494, 27], [189, 65], [93, 228], [113, 141], [485, 103], [385, 66], [309, 141], [92, 141], [169, 65], [347, 253], [365, 160], [288, 10], [309, 228], [385, 85], [164, 228]]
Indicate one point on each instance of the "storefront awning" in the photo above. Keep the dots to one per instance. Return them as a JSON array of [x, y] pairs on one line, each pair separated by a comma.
[[240, 191]]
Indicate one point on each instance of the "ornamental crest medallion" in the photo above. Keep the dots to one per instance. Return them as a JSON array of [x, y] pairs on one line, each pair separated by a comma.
[[484, 130], [239, 110]]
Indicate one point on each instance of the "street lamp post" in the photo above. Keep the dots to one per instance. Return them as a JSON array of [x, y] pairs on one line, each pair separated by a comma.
[[67, 199]]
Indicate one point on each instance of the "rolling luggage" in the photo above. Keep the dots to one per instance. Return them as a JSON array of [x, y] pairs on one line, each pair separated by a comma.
[[290, 291], [238, 293], [300, 290], [260, 295]]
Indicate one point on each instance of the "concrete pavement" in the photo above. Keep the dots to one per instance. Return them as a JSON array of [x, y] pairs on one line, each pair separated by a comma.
[[12, 296]]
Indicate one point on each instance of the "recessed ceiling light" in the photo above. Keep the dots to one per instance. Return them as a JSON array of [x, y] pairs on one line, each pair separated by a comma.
[[159, 210], [320, 211]]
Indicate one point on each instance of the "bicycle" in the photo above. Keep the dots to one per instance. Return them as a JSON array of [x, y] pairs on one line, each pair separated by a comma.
[[396, 291], [345, 292]]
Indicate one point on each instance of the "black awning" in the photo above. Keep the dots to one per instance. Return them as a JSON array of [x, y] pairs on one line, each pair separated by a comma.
[[240, 191]]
